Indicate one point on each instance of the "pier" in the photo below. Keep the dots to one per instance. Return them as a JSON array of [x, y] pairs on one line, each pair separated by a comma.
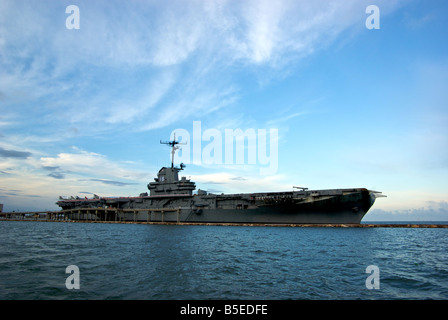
[[157, 216], [95, 215]]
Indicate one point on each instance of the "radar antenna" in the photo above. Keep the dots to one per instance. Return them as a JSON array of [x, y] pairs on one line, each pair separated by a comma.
[[174, 146]]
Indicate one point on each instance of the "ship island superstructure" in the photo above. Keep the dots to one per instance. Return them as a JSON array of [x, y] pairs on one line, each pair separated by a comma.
[[171, 199]]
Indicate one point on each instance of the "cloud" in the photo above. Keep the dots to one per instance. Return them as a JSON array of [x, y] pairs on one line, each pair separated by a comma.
[[192, 101], [56, 175], [125, 111], [433, 211], [239, 178], [65, 174], [146, 65], [289, 116], [56, 172], [264, 31], [140, 66], [82, 162], [237, 183], [14, 154], [51, 168], [417, 22], [111, 182]]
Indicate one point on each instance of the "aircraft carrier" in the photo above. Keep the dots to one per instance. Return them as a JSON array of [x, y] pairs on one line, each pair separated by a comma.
[[171, 199]]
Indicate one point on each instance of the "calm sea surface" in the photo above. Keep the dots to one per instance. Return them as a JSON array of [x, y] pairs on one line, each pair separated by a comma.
[[132, 261]]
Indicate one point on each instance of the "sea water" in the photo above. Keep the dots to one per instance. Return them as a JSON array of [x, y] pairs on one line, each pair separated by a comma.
[[139, 261]]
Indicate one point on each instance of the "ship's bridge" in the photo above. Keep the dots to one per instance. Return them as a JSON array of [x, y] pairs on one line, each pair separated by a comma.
[[167, 182]]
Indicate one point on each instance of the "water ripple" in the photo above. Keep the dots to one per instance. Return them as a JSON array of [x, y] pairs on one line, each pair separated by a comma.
[[210, 262]]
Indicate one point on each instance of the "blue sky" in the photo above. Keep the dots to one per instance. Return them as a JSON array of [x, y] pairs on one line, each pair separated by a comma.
[[82, 111]]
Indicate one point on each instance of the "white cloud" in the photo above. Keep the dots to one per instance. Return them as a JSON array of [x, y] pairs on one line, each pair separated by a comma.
[[136, 66], [263, 19], [42, 59], [82, 163], [142, 33], [190, 103], [428, 211], [240, 182], [126, 111], [35, 183]]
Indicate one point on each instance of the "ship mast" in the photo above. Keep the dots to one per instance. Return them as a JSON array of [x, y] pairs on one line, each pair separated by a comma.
[[174, 146]]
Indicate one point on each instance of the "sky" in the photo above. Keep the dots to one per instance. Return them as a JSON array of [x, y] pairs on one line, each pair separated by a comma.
[[84, 103]]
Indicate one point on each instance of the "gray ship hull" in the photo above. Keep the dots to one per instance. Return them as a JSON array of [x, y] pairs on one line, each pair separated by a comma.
[[172, 200], [339, 206]]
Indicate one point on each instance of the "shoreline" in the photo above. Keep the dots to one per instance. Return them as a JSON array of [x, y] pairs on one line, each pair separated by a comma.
[[323, 225]]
